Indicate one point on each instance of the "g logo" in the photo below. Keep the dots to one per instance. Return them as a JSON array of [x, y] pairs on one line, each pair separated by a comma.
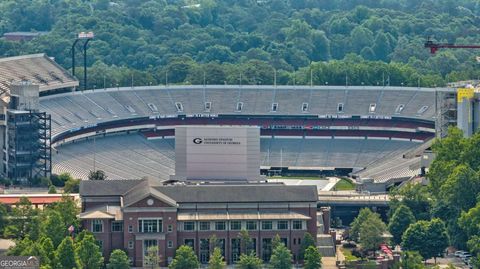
[[197, 141]]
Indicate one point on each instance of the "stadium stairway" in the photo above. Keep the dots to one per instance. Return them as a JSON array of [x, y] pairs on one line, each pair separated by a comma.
[[325, 244]]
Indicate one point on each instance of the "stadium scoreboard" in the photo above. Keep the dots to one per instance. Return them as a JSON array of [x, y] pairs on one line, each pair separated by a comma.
[[217, 153]]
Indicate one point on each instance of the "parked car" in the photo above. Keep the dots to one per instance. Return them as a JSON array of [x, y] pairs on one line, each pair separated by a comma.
[[466, 258], [460, 253], [462, 256]]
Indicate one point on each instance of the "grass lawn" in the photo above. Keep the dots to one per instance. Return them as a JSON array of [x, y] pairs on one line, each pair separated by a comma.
[[344, 185], [297, 177], [348, 254]]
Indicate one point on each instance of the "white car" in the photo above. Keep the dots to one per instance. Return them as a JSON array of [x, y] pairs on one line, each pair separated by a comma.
[[466, 258], [460, 253]]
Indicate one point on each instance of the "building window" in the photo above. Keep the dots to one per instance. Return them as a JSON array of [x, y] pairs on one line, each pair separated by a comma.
[[282, 225], [189, 226], [267, 225], [294, 241], [251, 225], [274, 107], [170, 228], [340, 108], [146, 245], [297, 225], [235, 249], [170, 244], [190, 243], [204, 226], [97, 226], [235, 225], [266, 249], [220, 225], [204, 254], [130, 244], [117, 226], [150, 226], [130, 228]]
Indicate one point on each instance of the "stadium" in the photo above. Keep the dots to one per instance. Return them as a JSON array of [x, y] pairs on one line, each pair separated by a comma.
[[374, 133]]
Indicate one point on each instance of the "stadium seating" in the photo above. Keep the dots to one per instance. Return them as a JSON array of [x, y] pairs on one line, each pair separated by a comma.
[[36, 68], [327, 113], [138, 157]]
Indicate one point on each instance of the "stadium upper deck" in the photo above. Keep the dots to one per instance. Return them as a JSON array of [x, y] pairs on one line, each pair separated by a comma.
[[36, 68], [77, 109]]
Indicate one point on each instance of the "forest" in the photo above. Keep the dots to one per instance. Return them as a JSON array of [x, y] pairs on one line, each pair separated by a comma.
[[335, 42]]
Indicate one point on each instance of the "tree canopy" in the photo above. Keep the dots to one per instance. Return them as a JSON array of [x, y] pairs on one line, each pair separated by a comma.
[[183, 39]]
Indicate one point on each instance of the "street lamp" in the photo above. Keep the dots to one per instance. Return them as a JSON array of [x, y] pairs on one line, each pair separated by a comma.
[[86, 37]]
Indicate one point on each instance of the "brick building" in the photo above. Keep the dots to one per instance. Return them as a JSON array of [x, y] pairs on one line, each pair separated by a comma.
[[135, 214]]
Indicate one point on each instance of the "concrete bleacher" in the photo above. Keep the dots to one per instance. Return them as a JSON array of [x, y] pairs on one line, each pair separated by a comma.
[[133, 156], [349, 149], [256, 101], [36, 68]]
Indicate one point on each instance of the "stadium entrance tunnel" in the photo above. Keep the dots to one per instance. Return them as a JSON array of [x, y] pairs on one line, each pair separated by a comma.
[[305, 172]]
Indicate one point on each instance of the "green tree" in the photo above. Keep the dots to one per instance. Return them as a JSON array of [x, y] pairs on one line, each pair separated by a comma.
[[3, 218], [412, 260], [355, 226], [97, 175], [118, 260], [68, 209], [52, 226], [307, 241], [47, 246], [399, 222], [65, 254], [428, 238], [88, 253], [185, 258], [249, 261], [216, 260], [313, 259], [281, 258], [23, 221], [371, 232], [245, 242], [72, 186], [276, 241], [52, 189]]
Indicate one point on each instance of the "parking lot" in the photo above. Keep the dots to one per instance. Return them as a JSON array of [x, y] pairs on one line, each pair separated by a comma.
[[450, 259]]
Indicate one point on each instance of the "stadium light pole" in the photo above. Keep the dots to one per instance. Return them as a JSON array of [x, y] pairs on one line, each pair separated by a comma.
[[86, 37], [73, 55]]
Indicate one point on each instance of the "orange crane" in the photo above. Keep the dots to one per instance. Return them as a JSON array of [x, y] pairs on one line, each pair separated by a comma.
[[436, 46]]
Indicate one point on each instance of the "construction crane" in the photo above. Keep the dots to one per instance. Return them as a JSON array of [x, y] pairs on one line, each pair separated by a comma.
[[436, 46]]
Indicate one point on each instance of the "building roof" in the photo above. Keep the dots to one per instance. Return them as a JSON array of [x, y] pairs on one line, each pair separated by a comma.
[[133, 190], [36, 68], [106, 187], [103, 212], [240, 193], [143, 190], [12, 199]]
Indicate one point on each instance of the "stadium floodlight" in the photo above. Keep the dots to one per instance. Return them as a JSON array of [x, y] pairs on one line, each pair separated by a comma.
[[88, 35]]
